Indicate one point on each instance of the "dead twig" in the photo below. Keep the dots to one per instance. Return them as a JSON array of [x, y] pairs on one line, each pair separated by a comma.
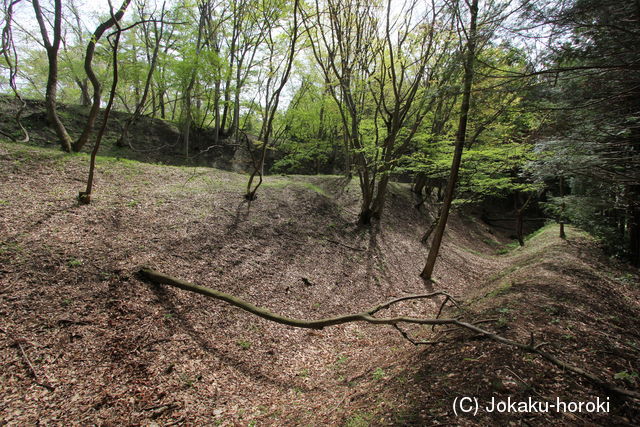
[[34, 373]]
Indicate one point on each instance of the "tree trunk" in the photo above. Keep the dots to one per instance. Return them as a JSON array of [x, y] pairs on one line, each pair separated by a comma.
[[427, 272], [124, 137], [52, 77], [634, 236], [381, 193], [562, 208], [519, 226], [85, 196], [419, 184], [272, 108], [85, 98], [186, 125], [88, 59]]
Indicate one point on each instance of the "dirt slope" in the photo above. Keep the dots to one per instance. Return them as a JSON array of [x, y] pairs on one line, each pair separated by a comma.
[[117, 350]]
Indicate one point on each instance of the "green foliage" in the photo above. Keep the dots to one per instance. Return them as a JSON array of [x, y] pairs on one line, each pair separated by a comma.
[[593, 127], [245, 345], [625, 375], [74, 263], [311, 132], [497, 148], [378, 374]]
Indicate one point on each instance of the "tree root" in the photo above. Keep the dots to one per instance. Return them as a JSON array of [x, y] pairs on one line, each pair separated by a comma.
[[368, 316]]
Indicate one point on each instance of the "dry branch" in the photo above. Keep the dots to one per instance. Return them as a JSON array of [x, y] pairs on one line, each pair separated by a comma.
[[368, 316], [33, 371]]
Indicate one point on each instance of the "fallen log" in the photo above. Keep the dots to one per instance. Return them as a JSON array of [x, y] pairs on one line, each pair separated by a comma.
[[157, 277]]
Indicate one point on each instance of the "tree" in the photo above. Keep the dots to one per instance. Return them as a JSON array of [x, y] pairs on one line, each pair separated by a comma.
[[461, 135], [273, 87], [85, 196], [88, 59], [72, 56], [378, 70], [158, 30], [10, 55], [52, 46], [591, 86], [372, 316]]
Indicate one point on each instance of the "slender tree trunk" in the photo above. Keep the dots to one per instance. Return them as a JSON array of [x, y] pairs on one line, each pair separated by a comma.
[[427, 234], [562, 208], [123, 140], [519, 218], [273, 108], [85, 196], [381, 193], [427, 272], [83, 85], [188, 118], [186, 125], [216, 112], [163, 113], [88, 59], [10, 55], [634, 236]]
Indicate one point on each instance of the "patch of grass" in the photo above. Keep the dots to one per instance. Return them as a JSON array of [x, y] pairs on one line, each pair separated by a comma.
[[553, 310], [360, 419], [625, 375], [304, 373], [537, 232], [74, 262], [627, 279], [10, 248], [245, 345], [491, 242], [508, 248], [378, 374], [275, 183], [473, 251], [502, 273], [187, 380], [341, 360], [312, 187], [500, 290]]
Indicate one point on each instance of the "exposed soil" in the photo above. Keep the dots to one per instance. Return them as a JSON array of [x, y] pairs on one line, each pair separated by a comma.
[[85, 341]]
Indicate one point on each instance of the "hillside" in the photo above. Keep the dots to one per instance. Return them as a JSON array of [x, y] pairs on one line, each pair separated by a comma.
[[110, 348], [152, 139]]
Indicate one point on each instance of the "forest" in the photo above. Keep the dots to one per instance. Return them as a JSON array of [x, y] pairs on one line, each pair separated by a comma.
[[320, 212]]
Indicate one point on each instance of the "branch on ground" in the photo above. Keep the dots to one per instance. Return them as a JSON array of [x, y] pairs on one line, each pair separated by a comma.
[[157, 277]]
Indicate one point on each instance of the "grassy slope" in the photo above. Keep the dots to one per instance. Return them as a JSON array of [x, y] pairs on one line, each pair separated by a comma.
[[120, 351]]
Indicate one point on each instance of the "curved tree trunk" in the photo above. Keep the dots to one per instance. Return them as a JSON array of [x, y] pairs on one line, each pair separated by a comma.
[[52, 48], [85, 196], [88, 59]]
